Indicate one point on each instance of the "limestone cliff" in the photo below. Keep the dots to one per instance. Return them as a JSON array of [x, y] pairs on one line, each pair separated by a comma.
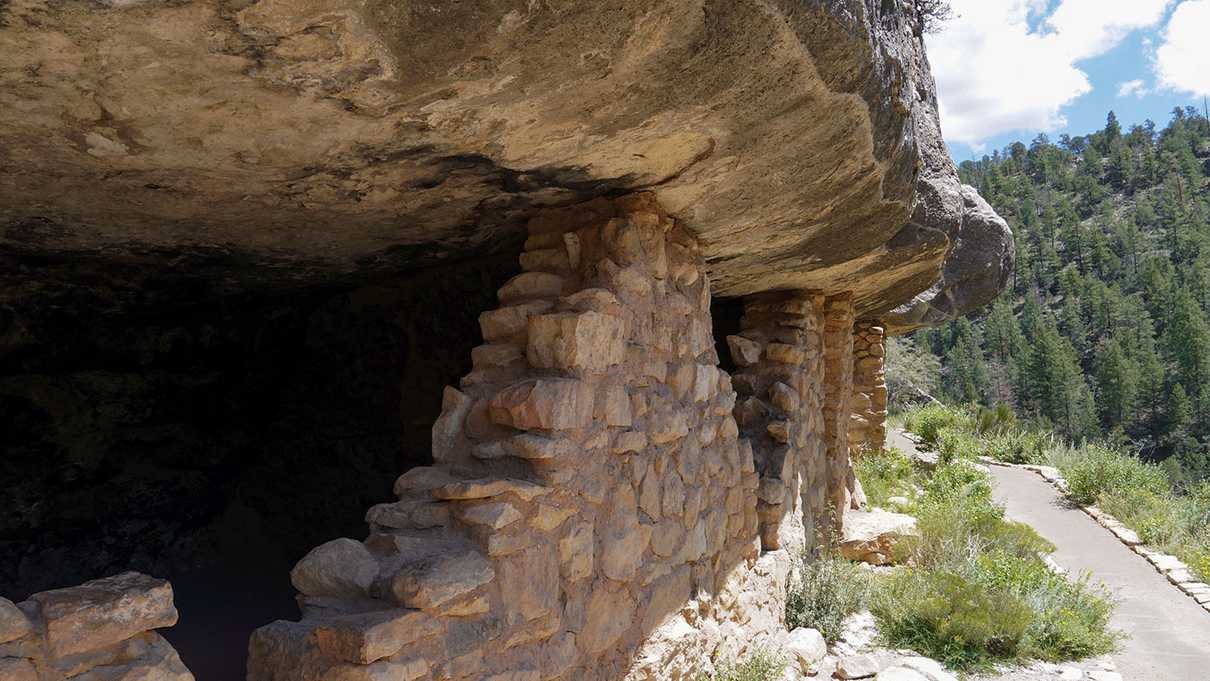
[[292, 141]]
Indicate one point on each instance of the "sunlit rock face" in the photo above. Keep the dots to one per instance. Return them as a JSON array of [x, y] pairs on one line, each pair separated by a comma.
[[286, 141], [246, 244]]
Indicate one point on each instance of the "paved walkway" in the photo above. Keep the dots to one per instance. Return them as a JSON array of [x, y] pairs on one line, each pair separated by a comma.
[[1169, 634]]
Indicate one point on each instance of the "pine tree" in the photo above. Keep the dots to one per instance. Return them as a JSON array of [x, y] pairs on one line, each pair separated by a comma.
[[1117, 385]]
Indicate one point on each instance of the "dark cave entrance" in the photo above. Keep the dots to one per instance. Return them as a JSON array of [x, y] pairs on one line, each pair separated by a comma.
[[214, 439]]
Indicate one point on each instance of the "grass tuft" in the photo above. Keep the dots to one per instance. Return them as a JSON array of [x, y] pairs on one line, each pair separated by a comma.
[[761, 665]]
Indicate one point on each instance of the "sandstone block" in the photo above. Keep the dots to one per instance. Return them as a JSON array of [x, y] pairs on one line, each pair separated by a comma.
[[540, 447], [807, 647], [629, 441], [705, 383], [484, 488], [530, 583], [666, 538], [510, 322], [408, 669], [493, 515], [623, 539], [503, 544], [497, 355], [667, 596], [13, 623], [613, 406], [339, 568], [530, 286], [103, 612], [785, 354], [611, 614], [873, 536], [674, 495], [680, 380], [422, 479], [593, 300], [861, 666], [368, 637], [546, 260], [414, 514], [17, 669], [784, 397], [425, 574], [576, 552], [929, 668], [649, 495], [158, 662], [549, 517], [668, 427], [587, 341], [552, 404]]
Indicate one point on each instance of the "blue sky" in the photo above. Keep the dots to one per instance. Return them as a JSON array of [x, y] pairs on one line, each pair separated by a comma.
[[1009, 69]]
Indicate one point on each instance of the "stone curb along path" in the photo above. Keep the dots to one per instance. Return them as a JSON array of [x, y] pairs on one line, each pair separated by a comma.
[[1174, 570]]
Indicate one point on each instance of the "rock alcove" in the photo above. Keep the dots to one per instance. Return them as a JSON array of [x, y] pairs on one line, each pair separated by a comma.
[[246, 247]]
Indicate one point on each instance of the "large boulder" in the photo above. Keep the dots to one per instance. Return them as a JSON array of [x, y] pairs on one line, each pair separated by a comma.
[[976, 270], [876, 536]]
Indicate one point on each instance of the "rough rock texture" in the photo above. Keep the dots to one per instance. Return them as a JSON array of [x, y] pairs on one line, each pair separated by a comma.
[[868, 403], [838, 389], [591, 511], [875, 536], [285, 141], [779, 381], [101, 630], [976, 269]]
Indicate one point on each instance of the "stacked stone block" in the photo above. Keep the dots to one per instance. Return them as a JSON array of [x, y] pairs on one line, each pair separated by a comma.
[[590, 495], [103, 630], [779, 381], [838, 387], [867, 424]]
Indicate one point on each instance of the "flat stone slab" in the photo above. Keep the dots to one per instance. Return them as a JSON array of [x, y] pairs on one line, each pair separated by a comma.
[[872, 536], [105, 611]]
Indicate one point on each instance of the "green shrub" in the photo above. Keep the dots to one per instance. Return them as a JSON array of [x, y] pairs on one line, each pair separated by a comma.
[[951, 618], [1071, 620], [978, 591], [761, 665], [928, 421], [1019, 446], [823, 592], [883, 474], [997, 419], [1100, 470]]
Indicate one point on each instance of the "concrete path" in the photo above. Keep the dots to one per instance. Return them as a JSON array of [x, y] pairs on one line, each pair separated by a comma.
[[1169, 635]]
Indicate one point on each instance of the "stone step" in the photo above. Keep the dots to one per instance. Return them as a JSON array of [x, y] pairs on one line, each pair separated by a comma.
[[426, 573]]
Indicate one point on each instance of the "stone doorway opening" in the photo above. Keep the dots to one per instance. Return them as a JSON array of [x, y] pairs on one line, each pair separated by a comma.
[[157, 423]]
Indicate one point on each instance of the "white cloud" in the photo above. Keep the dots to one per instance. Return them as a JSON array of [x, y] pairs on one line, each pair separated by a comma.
[[1182, 61], [1005, 65], [1132, 88]]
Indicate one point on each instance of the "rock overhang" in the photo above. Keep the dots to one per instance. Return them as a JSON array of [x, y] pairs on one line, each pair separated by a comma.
[[285, 142]]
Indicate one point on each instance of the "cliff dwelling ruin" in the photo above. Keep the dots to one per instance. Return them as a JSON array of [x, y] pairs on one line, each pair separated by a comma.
[[501, 340]]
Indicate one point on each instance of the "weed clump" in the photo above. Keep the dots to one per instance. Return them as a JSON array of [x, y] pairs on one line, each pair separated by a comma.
[[823, 592], [761, 665]]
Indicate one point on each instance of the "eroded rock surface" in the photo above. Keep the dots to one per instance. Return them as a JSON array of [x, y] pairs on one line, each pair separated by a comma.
[[102, 630], [287, 141]]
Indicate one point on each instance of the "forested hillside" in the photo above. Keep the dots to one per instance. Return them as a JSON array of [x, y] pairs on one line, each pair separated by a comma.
[[1104, 330]]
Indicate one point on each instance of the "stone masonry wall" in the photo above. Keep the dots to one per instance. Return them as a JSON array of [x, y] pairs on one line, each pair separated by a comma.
[[838, 387], [102, 630], [867, 425], [779, 380], [592, 510]]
